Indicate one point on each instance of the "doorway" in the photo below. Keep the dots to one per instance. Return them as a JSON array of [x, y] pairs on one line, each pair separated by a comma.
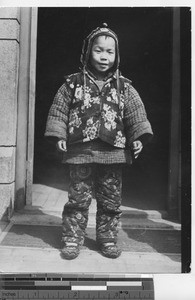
[[145, 41]]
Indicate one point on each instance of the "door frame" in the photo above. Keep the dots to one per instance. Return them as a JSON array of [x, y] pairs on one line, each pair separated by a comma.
[[31, 106], [26, 107], [174, 180]]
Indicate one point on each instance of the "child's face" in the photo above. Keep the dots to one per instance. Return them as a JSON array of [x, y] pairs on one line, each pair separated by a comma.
[[103, 54]]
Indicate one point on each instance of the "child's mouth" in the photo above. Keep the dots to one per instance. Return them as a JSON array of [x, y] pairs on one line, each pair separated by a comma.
[[103, 65]]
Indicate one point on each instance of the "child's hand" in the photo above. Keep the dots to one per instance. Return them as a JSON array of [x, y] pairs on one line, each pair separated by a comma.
[[61, 145], [137, 148]]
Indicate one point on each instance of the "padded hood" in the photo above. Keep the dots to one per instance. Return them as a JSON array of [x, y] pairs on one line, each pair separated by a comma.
[[88, 42]]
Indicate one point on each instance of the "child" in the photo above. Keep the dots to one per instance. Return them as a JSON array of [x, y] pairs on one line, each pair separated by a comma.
[[98, 120]]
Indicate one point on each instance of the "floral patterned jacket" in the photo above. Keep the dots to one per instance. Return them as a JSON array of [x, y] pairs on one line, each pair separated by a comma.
[[81, 112]]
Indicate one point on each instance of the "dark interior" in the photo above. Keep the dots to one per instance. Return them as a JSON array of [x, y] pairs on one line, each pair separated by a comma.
[[145, 41]]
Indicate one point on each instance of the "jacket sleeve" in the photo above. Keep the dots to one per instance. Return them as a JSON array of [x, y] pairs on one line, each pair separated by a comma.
[[137, 126], [57, 120]]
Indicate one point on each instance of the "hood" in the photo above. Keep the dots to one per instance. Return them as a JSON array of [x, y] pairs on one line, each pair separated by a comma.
[[87, 44]]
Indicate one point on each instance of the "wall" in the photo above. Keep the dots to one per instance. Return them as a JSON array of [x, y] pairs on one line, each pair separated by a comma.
[[9, 62]]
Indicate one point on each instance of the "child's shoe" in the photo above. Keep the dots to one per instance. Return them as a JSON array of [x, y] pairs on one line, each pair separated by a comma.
[[70, 250], [110, 250]]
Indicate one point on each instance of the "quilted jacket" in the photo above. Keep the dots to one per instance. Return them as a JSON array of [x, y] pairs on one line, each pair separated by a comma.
[[81, 112]]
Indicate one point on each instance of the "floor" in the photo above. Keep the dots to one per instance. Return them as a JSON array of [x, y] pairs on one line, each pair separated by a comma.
[[53, 199], [46, 260], [46, 209], [50, 193]]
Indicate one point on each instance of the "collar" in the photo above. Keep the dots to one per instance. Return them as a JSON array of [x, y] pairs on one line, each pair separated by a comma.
[[110, 75]]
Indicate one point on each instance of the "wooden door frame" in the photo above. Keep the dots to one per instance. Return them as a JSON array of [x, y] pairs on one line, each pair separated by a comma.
[[31, 107], [26, 106]]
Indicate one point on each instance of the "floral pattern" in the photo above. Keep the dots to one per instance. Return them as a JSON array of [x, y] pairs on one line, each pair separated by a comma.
[[91, 130], [78, 92], [102, 111], [85, 97], [90, 113], [113, 97], [89, 101], [108, 192], [74, 120], [109, 116], [120, 140]]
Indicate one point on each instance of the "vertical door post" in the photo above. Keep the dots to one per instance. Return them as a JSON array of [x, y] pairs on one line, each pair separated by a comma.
[[31, 107], [174, 163], [25, 118]]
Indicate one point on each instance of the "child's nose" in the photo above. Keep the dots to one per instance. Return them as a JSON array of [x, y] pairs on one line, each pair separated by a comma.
[[103, 56]]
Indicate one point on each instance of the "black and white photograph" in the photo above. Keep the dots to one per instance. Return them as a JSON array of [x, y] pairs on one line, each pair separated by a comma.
[[95, 139]]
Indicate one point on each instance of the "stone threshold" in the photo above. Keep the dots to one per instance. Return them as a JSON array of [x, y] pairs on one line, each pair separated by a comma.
[[53, 218]]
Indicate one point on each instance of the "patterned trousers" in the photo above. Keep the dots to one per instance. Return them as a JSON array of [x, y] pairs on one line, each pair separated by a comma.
[[88, 180]]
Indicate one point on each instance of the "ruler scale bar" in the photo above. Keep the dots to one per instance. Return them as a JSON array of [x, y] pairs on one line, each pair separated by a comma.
[[124, 283], [123, 288], [75, 286], [79, 283], [53, 283], [84, 295], [75, 276], [87, 288]]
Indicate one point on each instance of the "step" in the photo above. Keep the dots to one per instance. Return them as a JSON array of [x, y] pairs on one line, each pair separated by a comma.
[[3, 225], [126, 211], [53, 218]]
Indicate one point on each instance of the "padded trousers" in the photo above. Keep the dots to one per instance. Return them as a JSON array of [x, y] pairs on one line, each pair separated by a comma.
[[103, 182]]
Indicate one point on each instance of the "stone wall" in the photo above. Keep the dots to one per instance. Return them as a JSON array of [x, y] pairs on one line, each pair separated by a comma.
[[9, 62]]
